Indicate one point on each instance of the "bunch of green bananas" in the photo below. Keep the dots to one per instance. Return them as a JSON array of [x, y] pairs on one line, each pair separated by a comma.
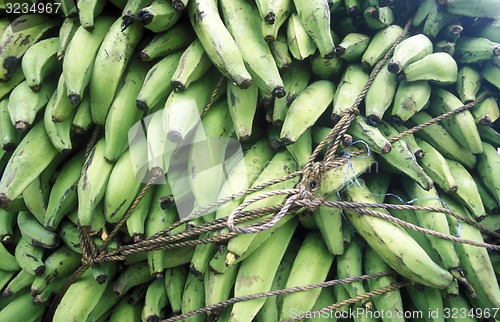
[[277, 75]]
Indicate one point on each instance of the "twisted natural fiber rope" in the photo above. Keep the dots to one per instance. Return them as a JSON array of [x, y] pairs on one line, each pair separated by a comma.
[[276, 292], [353, 300]]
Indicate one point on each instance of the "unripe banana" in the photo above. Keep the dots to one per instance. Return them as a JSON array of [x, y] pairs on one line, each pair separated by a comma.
[[92, 183], [66, 33], [491, 72], [9, 138], [20, 282], [489, 135], [306, 109], [461, 126], [29, 257], [438, 67], [167, 42], [240, 19], [123, 113], [361, 129], [486, 112], [24, 104], [193, 64], [155, 88], [155, 301], [88, 11], [380, 95], [280, 52], [353, 46], [378, 17], [40, 61], [132, 276], [481, 8], [80, 57], [315, 17], [444, 46], [83, 119], [282, 10], [242, 104], [9, 262], [8, 86], [327, 68], [422, 12], [380, 45], [136, 220], [159, 16], [22, 308], [352, 83], [217, 41], [487, 29], [436, 21], [7, 222], [475, 50], [437, 136], [408, 51], [22, 33], [436, 167], [329, 222], [468, 83], [31, 157], [451, 32], [487, 168], [299, 42]]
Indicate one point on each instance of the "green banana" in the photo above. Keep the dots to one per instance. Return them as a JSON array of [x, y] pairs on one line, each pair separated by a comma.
[[489, 203], [40, 61], [299, 42], [63, 196], [486, 112], [103, 309], [88, 11], [400, 157], [327, 68], [280, 52], [218, 286], [271, 251], [69, 235], [29, 257], [175, 279], [471, 50], [22, 308], [282, 9], [408, 51], [461, 126], [352, 83], [20, 282], [61, 108], [17, 78], [69, 8], [380, 95], [132, 276], [388, 302], [311, 265], [491, 71], [422, 12], [137, 219], [467, 191], [437, 136], [410, 140], [217, 41], [9, 263], [59, 133], [415, 265], [451, 32], [487, 167], [110, 62], [193, 297], [66, 33], [24, 104], [489, 135], [82, 120], [22, 33], [155, 301], [325, 298], [475, 263], [435, 221], [155, 88], [435, 165], [315, 17], [242, 104], [438, 68], [301, 150], [130, 11], [92, 183], [60, 263], [295, 81], [426, 299], [193, 64], [80, 299], [34, 232], [436, 21], [361, 129], [240, 19], [126, 312], [329, 222], [378, 17], [379, 45], [80, 57], [159, 16], [306, 109], [9, 136], [7, 222], [468, 83], [353, 46], [445, 46]]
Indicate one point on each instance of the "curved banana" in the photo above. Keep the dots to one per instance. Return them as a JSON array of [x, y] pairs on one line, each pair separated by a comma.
[[109, 65], [137, 219], [16, 79], [299, 42], [9, 138], [193, 64], [88, 11], [281, 10], [40, 61], [19, 283], [9, 263], [155, 301], [471, 50], [66, 33], [353, 46], [7, 221], [437, 67], [29, 257], [159, 16], [352, 83], [175, 279], [242, 104], [408, 51], [486, 112], [468, 83], [380, 95], [22, 308], [487, 168], [193, 297], [380, 44], [360, 129], [82, 120], [378, 17], [434, 164]]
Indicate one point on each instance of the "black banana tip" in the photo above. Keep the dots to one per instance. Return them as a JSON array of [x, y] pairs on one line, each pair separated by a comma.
[[419, 154], [36, 87], [485, 121], [74, 98], [496, 210], [178, 86], [397, 119], [178, 5], [4, 200], [286, 140], [453, 189], [34, 292], [457, 30], [144, 56], [40, 270], [193, 270], [165, 202], [373, 120], [386, 149], [496, 51], [335, 118], [401, 76], [22, 126], [145, 17], [9, 64], [346, 140], [353, 11], [158, 275], [269, 38], [174, 136], [270, 18], [142, 104], [138, 237], [38, 299], [340, 51], [331, 54], [101, 279], [374, 12], [275, 144], [56, 119], [127, 21], [394, 67], [9, 147], [279, 92], [442, 2], [245, 84], [7, 292], [153, 318]]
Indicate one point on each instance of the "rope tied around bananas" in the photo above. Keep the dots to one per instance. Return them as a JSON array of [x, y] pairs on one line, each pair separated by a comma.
[[303, 196]]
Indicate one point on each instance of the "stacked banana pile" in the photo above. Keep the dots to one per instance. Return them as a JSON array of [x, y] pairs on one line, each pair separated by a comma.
[[277, 76]]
